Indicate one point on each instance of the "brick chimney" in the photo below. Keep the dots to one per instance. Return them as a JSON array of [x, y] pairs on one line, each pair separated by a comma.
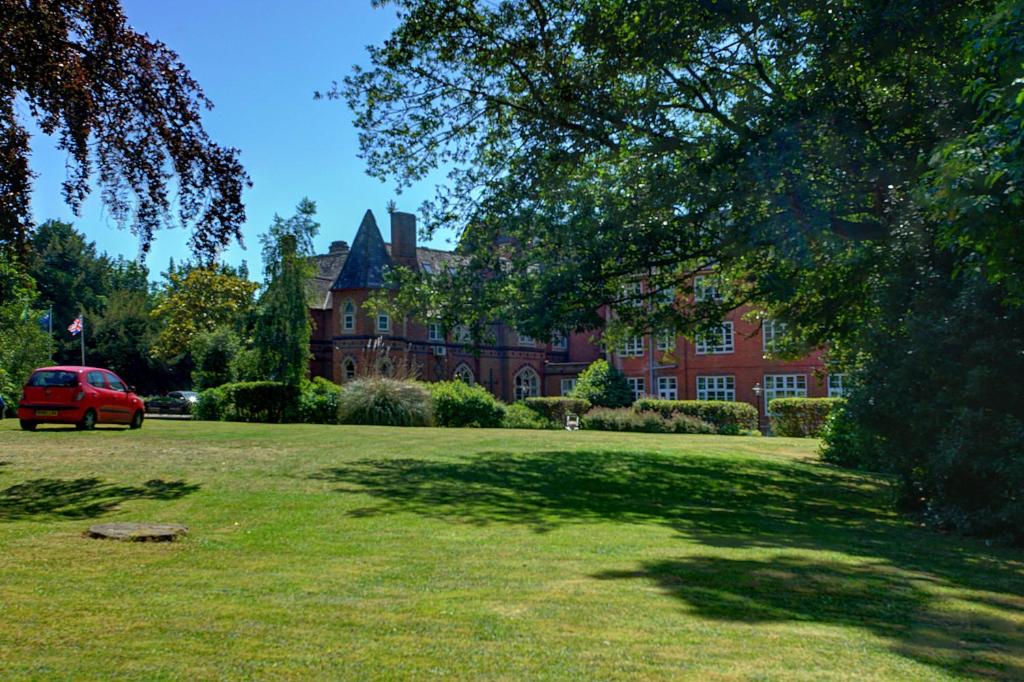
[[403, 239], [338, 248]]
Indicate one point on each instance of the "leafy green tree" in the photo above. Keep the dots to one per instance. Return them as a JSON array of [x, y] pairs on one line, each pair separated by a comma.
[[283, 326], [603, 385], [127, 113], [24, 345], [213, 354], [834, 162]]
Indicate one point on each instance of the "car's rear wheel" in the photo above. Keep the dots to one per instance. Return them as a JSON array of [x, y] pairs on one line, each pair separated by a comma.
[[27, 425], [88, 422], [136, 420]]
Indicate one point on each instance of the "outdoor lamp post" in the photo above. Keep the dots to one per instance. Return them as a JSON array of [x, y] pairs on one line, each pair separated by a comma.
[[757, 399]]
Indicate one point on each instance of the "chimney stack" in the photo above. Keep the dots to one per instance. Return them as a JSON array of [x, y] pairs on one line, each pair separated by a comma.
[[403, 239], [338, 248]]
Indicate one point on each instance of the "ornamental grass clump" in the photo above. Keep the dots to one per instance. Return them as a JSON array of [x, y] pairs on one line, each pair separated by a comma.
[[382, 401]]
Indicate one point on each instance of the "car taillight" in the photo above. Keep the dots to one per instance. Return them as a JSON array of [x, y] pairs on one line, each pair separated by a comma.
[[79, 395]]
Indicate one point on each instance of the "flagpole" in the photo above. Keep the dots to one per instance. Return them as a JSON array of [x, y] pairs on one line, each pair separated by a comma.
[[51, 333], [82, 317]]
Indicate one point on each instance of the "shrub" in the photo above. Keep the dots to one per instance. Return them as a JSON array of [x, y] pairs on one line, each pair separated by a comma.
[[602, 385], [260, 401], [555, 409], [623, 419], [729, 418], [457, 403], [685, 423], [800, 417], [213, 353], [318, 402], [384, 402], [847, 444], [519, 416], [211, 405]]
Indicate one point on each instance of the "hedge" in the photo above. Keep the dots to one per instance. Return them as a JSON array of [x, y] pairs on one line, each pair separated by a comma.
[[626, 419], [315, 402], [555, 409], [726, 416], [519, 416], [457, 403], [800, 417]]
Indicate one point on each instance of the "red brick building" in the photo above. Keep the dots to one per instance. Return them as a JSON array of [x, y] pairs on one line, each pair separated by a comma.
[[726, 366]]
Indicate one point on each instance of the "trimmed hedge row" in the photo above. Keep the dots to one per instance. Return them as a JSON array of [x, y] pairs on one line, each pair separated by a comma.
[[801, 417], [556, 409], [729, 418], [270, 402]]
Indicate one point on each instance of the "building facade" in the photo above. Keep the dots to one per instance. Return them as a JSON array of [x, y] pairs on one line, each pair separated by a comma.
[[730, 365]]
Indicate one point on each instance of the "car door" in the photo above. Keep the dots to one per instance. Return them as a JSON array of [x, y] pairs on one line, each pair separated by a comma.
[[121, 409], [104, 402]]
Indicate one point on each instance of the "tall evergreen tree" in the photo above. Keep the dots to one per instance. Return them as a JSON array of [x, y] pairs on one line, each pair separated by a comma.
[[283, 326]]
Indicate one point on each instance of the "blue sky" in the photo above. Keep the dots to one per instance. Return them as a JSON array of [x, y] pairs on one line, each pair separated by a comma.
[[260, 62]]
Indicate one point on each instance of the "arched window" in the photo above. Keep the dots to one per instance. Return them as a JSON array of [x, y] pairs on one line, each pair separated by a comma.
[[385, 368], [348, 369], [464, 374], [348, 317], [527, 383]]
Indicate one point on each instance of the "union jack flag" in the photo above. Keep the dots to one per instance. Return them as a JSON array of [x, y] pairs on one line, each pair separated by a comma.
[[76, 326]]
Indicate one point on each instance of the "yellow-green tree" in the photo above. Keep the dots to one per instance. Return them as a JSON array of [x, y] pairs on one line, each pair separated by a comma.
[[199, 301]]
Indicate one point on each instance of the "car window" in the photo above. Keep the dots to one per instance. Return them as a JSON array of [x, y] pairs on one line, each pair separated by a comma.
[[96, 379], [115, 383], [54, 378]]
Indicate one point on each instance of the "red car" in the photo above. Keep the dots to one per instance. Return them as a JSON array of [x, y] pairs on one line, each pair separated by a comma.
[[83, 396]]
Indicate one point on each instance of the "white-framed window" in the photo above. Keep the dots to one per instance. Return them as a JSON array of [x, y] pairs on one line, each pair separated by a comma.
[[527, 383], [716, 388], [463, 334], [836, 389], [348, 369], [567, 385], [632, 347], [783, 386], [560, 342], [666, 341], [637, 385], [383, 322], [348, 317], [632, 294], [434, 332], [716, 342], [704, 289], [525, 340], [668, 388], [771, 332], [464, 374]]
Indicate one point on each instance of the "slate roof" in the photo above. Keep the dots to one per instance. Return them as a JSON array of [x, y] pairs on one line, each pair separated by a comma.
[[367, 260], [364, 265]]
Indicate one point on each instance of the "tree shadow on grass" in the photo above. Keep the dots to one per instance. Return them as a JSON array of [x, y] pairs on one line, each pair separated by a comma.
[[736, 504], [874, 596], [80, 498]]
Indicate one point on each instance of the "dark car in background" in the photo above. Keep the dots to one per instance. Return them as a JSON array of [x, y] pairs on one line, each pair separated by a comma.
[[175, 402]]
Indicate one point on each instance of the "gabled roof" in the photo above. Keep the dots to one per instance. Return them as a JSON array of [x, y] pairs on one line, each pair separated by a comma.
[[367, 260]]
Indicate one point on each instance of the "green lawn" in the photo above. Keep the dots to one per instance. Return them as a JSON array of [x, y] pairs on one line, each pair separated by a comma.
[[363, 552]]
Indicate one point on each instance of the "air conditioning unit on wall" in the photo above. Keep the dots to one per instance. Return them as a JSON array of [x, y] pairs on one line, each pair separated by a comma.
[[440, 351]]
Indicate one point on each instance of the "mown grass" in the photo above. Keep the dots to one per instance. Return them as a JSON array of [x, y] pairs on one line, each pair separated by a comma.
[[365, 552]]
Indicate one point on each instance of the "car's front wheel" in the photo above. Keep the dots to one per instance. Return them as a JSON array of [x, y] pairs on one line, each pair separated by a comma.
[[136, 420], [27, 425], [88, 422]]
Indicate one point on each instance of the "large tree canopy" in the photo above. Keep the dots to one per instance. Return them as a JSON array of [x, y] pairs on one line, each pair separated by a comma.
[[852, 167], [782, 140], [125, 110]]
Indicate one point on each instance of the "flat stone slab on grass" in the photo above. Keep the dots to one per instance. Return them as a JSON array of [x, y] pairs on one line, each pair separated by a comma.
[[137, 532]]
